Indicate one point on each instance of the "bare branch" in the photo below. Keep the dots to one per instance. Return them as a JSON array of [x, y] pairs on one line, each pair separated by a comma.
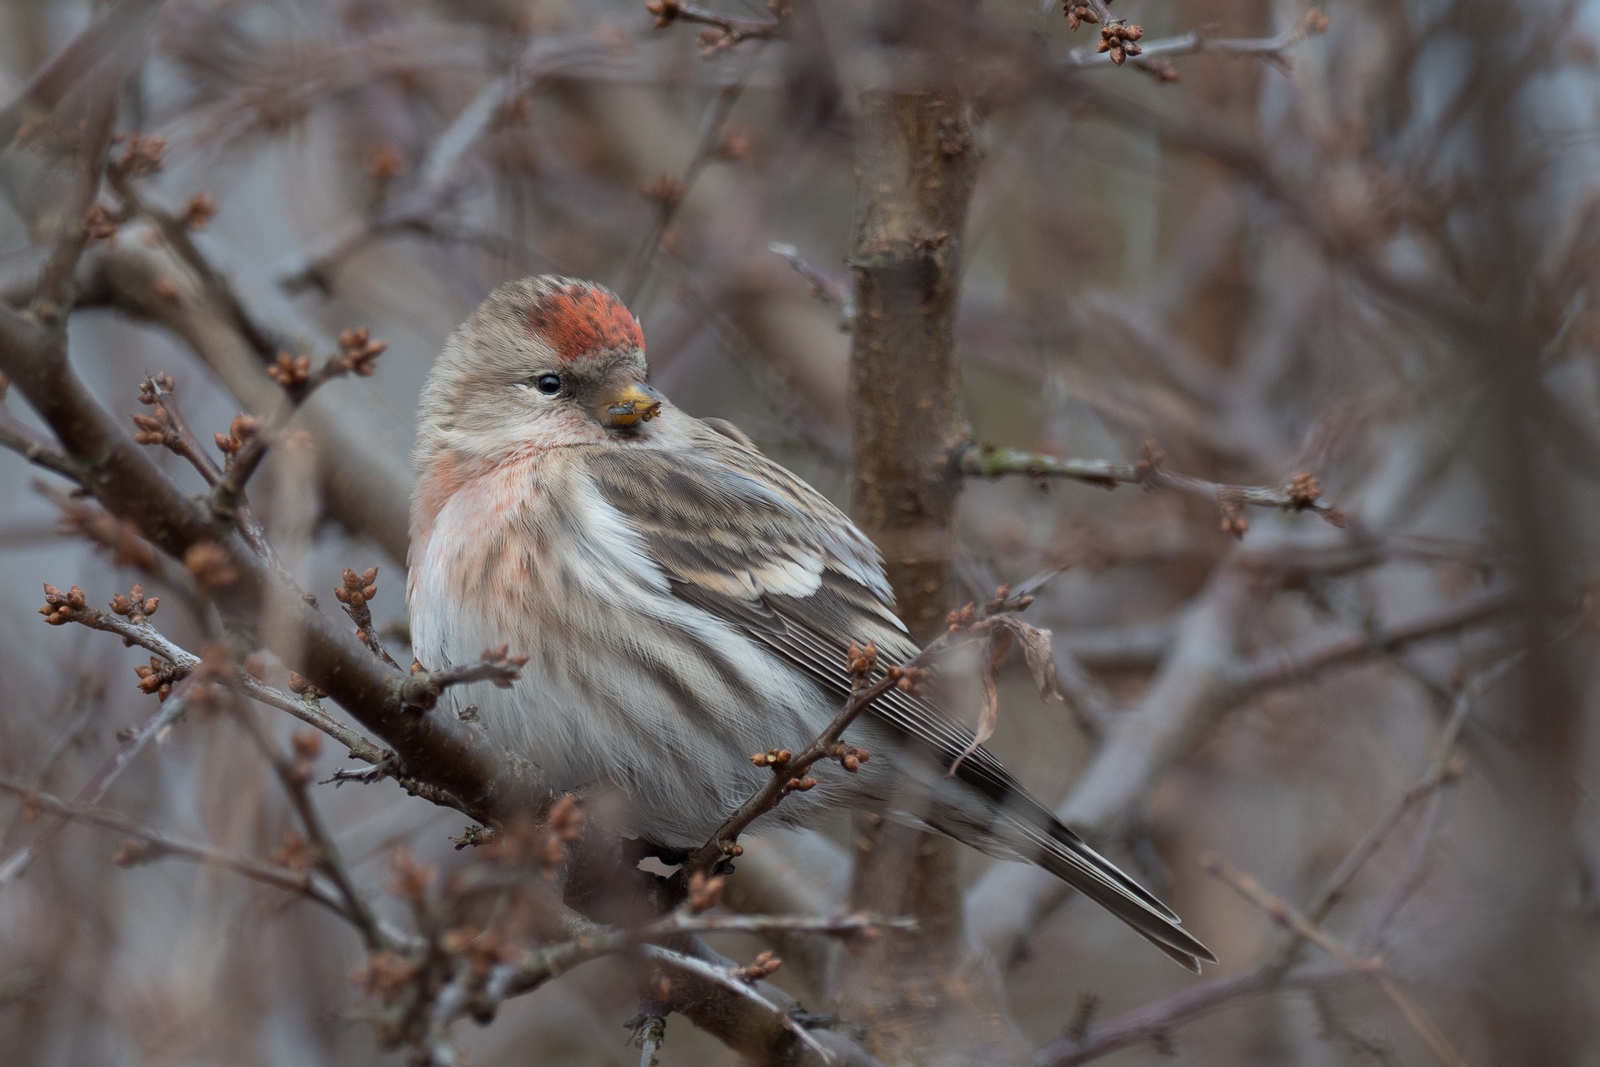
[[1154, 1021], [54, 294], [324, 853], [137, 630], [247, 442], [790, 771], [108, 38], [33, 446], [1150, 52], [1302, 493], [1280, 911], [823, 286], [423, 689], [1200, 683], [667, 193], [158, 844], [165, 715], [727, 30]]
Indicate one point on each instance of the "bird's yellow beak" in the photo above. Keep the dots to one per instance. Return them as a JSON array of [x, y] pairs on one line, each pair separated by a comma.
[[635, 404]]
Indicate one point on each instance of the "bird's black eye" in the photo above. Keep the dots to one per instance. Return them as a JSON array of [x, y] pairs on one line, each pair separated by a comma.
[[548, 384]]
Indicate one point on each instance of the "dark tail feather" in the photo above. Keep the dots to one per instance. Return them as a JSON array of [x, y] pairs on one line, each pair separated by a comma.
[[1064, 854]]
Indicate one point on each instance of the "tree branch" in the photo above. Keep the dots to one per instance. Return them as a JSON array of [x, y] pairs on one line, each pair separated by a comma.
[[1154, 1020], [159, 844], [1280, 911], [1196, 41], [1302, 493], [165, 715]]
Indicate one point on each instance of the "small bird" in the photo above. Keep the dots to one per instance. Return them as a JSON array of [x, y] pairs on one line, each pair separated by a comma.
[[684, 602]]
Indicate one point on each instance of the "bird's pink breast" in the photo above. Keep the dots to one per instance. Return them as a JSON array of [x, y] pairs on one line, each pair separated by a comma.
[[485, 554]]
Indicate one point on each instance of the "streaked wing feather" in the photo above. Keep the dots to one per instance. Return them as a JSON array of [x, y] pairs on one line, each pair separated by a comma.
[[744, 539]]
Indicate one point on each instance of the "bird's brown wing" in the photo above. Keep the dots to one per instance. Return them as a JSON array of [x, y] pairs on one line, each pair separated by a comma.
[[746, 540]]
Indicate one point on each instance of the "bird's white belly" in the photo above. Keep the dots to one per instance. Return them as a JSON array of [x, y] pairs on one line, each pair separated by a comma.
[[626, 683]]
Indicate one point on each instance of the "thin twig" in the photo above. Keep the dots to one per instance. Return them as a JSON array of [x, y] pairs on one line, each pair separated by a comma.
[[719, 977], [1300, 494], [671, 192], [1280, 911], [35, 447], [325, 853], [96, 787], [306, 710], [734, 29], [54, 294], [824, 286], [160, 844], [1198, 41], [1157, 1019], [423, 689], [789, 771], [1272, 670]]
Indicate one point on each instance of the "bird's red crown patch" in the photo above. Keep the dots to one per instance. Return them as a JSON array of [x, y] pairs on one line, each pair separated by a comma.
[[575, 319]]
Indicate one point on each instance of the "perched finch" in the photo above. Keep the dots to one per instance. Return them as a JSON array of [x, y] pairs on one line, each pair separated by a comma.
[[684, 601]]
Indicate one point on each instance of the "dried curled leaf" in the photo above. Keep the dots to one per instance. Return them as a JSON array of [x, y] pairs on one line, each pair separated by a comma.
[[1004, 631]]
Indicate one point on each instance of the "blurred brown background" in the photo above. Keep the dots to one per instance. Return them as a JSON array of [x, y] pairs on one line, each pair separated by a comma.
[[1356, 243]]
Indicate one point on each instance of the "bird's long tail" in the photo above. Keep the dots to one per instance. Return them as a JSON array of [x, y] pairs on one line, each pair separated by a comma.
[[1064, 854]]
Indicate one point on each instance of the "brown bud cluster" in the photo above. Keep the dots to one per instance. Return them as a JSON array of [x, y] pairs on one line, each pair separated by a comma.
[[1233, 521], [358, 588], [705, 892], [141, 155], [198, 212], [1150, 458], [482, 949], [563, 829], [501, 657], [128, 549], [157, 428], [861, 661], [385, 976], [1304, 490], [210, 565], [306, 746], [135, 607], [359, 352], [1118, 38], [60, 607], [772, 757], [850, 757], [240, 430], [157, 678], [1079, 12], [291, 372], [909, 679], [98, 225], [961, 618], [385, 164], [301, 686], [800, 785], [412, 879], [1161, 72], [761, 967], [664, 11], [295, 852]]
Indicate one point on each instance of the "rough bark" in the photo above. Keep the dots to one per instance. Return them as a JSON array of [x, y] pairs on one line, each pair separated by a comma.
[[915, 170]]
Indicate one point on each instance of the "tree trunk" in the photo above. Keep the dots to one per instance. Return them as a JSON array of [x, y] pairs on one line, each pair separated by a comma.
[[915, 172]]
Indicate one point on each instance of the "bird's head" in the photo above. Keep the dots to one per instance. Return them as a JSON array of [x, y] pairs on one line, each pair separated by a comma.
[[544, 361]]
